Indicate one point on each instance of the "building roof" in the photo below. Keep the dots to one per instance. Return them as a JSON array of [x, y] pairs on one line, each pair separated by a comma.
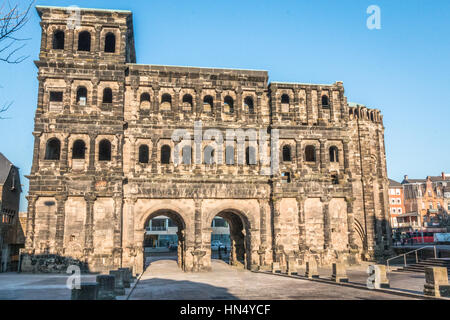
[[40, 8], [5, 168], [393, 183]]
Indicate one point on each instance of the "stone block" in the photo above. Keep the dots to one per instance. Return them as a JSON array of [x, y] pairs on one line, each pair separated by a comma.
[[119, 288], [106, 285], [436, 279], [311, 269], [377, 277], [276, 267], [339, 273], [127, 279], [87, 291]]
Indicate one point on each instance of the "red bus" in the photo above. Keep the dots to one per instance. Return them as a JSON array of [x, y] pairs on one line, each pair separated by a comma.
[[418, 237]]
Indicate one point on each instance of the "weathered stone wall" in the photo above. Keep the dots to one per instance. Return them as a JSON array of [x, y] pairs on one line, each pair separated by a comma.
[[330, 206]]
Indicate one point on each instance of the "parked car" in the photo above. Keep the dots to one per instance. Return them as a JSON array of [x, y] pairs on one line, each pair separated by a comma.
[[216, 244], [442, 238]]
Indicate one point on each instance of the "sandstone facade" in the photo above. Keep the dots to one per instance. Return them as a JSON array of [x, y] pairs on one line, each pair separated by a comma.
[[103, 132]]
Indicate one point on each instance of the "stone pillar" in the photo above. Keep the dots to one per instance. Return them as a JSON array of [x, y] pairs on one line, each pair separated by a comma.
[[31, 214], [118, 217], [309, 109], [89, 225], [326, 222], [87, 291], [238, 107], [323, 156], [259, 106], [263, 227], [311, 268], [350, 223], [331, 104], [346, 155], [436, 282], [106, 286], [92, 138], [276, 228], [64, 154], [154, 158], [301, 224], [118, 282], [60, 218], [339, 273], [218, 105], [155, 97], [36, 151], [377, 277], [199, 103]]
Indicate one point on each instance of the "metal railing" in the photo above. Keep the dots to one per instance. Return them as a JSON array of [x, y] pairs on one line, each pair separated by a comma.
[[405, 254]]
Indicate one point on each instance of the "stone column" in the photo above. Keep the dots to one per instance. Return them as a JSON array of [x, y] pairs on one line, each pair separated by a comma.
[[323, 157], [198, 105], [67, 95], [92, 138], [263, 234], [326, 222], [218, 103], [65, 154], [198, 222], [89, 225], [238, 108], [31, 214], [60, 218], [350, 222], [298, 154], [276, 228], [36, 149], [155, 97], [309, 109], [118, 217], [259, 106], [154, 158], [320, 119], [331, 104], [346, 155], [132, 142], [301, 223]]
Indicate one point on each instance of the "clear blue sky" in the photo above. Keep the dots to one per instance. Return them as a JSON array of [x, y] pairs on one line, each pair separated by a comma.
[[402, 69]]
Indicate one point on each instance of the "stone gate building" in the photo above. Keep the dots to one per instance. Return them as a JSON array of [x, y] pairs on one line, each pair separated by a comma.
[[103, 158]]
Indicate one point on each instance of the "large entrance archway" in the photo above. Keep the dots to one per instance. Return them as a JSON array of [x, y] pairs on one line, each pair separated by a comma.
[[239, 254], [174, 225]]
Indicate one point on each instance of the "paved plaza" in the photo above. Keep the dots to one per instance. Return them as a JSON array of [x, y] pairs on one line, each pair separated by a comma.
[[162, 279]]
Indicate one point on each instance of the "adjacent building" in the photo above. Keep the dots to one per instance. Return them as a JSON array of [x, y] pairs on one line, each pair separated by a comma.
[[428, 200], [10, 240], [397, 205]]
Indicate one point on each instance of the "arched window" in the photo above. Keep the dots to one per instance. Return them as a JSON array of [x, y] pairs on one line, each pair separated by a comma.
[[334, 154], [229, 155], [165, 154], [228, 105], [58, 40], [110, 42], [84, 41], [310, 154], [250, 156], [143, 153], [81, 96], [104, 150], [248, 103], [166, 102], [107, 95], [287, 153], [285, 99], [78, 149], [325, 103], [208, 102], [208, 155], [145, 101], [187, 102], [187, 154], [52, 150]]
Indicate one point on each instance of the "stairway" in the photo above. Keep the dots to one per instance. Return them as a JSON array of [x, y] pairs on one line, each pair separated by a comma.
[[432, 262]]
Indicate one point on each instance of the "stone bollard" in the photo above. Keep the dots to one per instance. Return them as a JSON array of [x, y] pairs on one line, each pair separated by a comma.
[[292, 267], [276, 267], [436, 282], [339, 273], [311, 269], [118, 282], [377, 277], [127, 279], [87, 291], [106, 285]]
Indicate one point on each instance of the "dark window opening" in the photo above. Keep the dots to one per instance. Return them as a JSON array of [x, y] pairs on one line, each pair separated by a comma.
[[84, 41], [286, 177], [285, 99], [165, 154], [250, 156], [325, 103], [166, 98], [78, 149], [82, 96], [143, 153], [228, 104], [229, 155], [187, 154], [52, 150], [248, 102], [145, 97], [56, 96], [110, 43], [208, 104], [334, 154], [187, 102], [334, 179], [58, 40], [310, 154], [104, 152], [107, 95], [287, 153]]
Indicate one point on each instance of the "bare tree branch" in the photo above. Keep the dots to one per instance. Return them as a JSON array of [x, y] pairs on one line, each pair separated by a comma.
[[3, 110], [12, 19]]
